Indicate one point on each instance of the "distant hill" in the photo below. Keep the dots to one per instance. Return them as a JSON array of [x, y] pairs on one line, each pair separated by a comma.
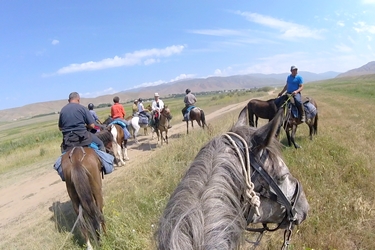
[[366, 69], [165, 90]]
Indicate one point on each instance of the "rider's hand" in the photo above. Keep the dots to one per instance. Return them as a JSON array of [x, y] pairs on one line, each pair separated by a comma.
[[294, 93]]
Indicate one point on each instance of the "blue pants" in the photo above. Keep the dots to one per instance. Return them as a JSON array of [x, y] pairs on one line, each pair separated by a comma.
[[99, 142]]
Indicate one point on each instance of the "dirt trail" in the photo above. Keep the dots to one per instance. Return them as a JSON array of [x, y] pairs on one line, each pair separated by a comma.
[[23, 195]]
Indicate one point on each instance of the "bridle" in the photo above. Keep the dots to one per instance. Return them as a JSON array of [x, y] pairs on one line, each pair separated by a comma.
[[243, 150]]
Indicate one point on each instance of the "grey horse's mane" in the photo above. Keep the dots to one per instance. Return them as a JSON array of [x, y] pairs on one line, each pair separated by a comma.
[[208, 204]]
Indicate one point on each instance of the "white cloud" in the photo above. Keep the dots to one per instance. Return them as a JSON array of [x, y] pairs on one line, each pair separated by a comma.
[[368, 1], [218, 72], [181, 77], [146, 56], [340, 23], [343, 48], [107, 91], [55, 42], [363, 27], [288, 30]]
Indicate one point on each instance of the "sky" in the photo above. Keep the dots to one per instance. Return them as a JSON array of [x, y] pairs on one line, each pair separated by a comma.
[[49, 49]]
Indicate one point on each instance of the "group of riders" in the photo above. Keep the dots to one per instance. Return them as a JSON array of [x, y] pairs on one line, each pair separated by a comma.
[[76, 121], [78, 124]]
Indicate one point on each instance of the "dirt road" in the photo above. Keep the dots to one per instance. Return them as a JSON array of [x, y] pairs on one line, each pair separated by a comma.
[[27, 197]]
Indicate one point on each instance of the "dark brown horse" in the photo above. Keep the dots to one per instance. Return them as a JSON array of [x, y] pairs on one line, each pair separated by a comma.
[[261, 109], [119, 143], [82, 171], [196, 114], [291, 123]]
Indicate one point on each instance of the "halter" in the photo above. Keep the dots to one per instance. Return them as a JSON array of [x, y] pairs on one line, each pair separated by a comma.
[[290, 214]]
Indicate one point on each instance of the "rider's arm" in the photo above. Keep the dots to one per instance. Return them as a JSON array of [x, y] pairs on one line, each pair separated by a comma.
[[283, 90]]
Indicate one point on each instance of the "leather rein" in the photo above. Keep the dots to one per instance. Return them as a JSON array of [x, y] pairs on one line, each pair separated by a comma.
[[276, 195]]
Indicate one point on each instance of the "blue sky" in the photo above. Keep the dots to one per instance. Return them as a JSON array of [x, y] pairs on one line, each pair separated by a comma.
[[51, 48]]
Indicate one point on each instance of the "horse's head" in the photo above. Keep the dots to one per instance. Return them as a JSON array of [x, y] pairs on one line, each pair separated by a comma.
[[149, 108], [108, 120], [165, 111], [282, 199]]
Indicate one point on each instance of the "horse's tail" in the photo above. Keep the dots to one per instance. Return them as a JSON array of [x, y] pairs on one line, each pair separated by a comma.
[[203, 118], [90, 216], [250, 114]]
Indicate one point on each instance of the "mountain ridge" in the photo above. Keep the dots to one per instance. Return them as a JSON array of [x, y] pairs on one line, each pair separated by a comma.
[[213, 83]]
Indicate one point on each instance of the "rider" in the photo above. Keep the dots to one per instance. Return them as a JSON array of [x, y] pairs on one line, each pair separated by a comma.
[[189, 100], [98, 123], [74, 120], [157, 106], [117, 110], [141, 109], [294, 86], [135, 107]]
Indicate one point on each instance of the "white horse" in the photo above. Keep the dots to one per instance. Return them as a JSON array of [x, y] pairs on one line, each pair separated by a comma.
[[134, 127]]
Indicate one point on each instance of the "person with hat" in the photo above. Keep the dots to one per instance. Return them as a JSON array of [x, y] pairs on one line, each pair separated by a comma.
[[135, 107], [294, 86], [157, 106], [189, 101]]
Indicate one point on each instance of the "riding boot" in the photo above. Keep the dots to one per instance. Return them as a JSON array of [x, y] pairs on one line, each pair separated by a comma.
[[302, 113]]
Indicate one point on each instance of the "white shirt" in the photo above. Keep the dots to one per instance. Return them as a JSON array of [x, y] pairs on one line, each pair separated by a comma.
[[154, 105]]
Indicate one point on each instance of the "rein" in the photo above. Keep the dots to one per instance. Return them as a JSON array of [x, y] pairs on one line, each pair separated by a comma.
[[239, 144]]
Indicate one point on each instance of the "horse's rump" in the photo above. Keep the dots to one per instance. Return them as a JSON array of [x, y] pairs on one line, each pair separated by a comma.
[[81, 168]]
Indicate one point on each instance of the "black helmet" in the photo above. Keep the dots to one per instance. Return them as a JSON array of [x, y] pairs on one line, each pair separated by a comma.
[[187, 91], [90, 106], [140, 100]]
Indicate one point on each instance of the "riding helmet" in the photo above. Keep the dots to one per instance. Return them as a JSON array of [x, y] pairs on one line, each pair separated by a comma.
[[90, 106], [187, 91], [140, 100]]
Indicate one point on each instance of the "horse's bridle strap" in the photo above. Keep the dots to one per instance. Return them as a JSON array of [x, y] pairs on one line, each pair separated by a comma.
[[281, 198]]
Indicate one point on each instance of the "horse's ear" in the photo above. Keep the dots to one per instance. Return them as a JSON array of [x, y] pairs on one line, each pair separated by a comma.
[[264, 135], [242, 118]]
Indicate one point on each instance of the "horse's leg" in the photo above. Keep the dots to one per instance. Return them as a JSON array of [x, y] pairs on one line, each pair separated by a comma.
[[292, 137], [125, 150], [166, 136], [187, 127], [256, 121], [287, 132]]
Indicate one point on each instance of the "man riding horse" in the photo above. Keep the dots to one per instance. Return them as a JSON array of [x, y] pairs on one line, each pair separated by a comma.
[[189, 101], [294, 86], [157, 106], [74, 120]]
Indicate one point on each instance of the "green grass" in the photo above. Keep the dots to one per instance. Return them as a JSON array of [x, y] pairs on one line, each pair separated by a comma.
[[335, 169]]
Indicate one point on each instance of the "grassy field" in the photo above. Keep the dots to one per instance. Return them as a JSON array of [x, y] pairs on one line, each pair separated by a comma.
[[335, 169]]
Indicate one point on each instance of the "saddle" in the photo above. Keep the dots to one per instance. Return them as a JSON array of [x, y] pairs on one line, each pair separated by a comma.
[[187, 113], [309, 108], [143, 118], [75, 139]]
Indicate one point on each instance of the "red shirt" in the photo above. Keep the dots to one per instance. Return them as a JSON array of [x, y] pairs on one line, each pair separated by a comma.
[[117, 111]]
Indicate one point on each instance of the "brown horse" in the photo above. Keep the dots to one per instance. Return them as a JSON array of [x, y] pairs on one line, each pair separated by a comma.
[[196, 114], [119, 143], [82, 168], [291, 123], [261, 109], [162, 125]]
